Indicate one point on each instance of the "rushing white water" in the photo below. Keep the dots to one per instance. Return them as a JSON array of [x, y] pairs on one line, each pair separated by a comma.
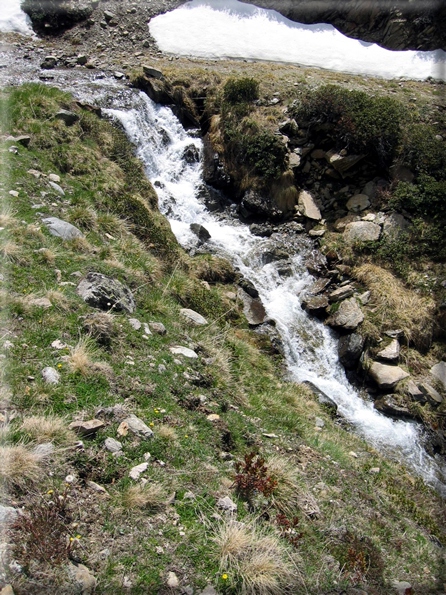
[[12, 18], [233, 29], [310, 347]]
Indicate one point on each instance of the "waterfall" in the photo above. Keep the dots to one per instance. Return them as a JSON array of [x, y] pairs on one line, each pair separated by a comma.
[[310, 347]]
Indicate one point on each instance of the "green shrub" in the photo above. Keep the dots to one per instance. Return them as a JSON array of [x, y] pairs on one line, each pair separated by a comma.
[[423, 152], [241, 90], [264, 152], [426, 198], [361, 123]]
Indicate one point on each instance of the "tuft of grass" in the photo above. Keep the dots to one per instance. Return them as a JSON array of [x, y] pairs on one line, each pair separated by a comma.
[[149, 496], [256, 563], [51, 428], [285, 495], [397, 307], [80, 357], [167, 433], [19, 466], [11, 252], [100, 326]]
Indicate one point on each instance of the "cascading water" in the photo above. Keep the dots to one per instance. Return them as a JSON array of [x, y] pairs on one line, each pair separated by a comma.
[[310, 347]]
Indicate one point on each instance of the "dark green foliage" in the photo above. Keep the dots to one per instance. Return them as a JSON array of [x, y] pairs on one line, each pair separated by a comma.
[[425, 198], [264, 152], [423, 152], [241, 90], [361, 123]]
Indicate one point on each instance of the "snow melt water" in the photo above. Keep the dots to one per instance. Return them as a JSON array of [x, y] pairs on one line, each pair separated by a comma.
[[310, 347], [12, 18], [232, 29]]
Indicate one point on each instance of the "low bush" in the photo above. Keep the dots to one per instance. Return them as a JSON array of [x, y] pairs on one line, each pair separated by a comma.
[[241, 90]]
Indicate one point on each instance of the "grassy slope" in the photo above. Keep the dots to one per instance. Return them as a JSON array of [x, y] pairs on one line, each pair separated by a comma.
[[370, 527]]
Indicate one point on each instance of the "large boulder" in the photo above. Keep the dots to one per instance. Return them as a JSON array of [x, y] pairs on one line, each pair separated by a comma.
[[51, 16], [308, 206], [386, 377], [62, 229], [361, 231], [348, 316], [395, 225], [106, 293], [350, 349]]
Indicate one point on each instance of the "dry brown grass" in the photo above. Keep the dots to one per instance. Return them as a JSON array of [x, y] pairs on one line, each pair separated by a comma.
[[19, 466], [58, 299], [47, 429], [167, 433], [7, 218], [394, 306], [149, 496], [285, 496], [100, 326], [80, 358], [10, 251], [258, 563]]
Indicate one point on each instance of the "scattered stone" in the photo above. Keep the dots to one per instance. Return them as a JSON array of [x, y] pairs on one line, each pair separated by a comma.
[[136, 471], [40, 303], [189, 496], [147, 330], [253, 308], [391, 352], [364, 298], [353, 454], [23, 139], [179, 350], [48, 63], [317, 264], [402, 588], [308, 207], [386, 377], [158, 328], [319, 422], [62, 229], [7, 515], [395, 225], [135, 323], [34, 172], [350, 349], [193, 317], [172, 580], [152, 72], [137, 427], [209, 590], [316, 305], [69, 118], [227, 504], [319, 286], [50, 375], [317, 232], [13, 193], [341, 293], [348, 316], [7, 590], [97, 488], [439, 372], [415, 393], [374, 470], [87, 428], [361, 231], [358, 203], [432, 395], [112, 445], [213, 417], [57, 188], [341, 224], [81, 60], [268, 435], [106, 293], [86, 582]]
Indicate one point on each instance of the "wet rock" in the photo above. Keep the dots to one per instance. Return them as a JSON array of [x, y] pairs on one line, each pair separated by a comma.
[[348, 316], [308, 207], [319, 286], [274, 254], [248, 287], [349, 350], [62, 229], [316, 305], [201, 232], [261, 230], [193, 317], [152, 72], [253, 308], [106, 293], [322, 397], [317, 264], [361, 231], [390, 405], [391, 352], [341, 293], [386, 377], [191, 154], [254, 203], [68, 117]]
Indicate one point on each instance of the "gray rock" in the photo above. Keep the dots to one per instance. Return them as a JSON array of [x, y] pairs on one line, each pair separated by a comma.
[[390, 405], [319, 286], [23, 139], [185, 351], [342, 163], [84, 581], [173, 581], [138, 427], [361, 231], [88, 427], [40, 303], [209, 590], [56, 188], [106, 293], [152, 72], [402, 588], [112, 445], [50, 375], [439, 372], [316, 304], [391, 352], [201, 232], [253, 308], [136, 471], [348, 316], [158, 328], [7, 515], [415, 393], [322, 397], [317, 264], [341, 293], [135, 323], [68, 117], [358, 203], [193, 317], [49, 63], [62, 229], [308, 206], [227, 504], [386, 377], [294, 160], [350, 349], [432, 395], [341, 224], [395, 225]]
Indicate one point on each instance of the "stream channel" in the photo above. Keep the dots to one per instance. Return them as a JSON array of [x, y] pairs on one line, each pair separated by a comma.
[[310, 347]]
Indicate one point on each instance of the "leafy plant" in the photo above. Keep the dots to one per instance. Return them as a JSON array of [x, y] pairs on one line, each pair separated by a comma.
[[288, 529], [241, 90], [252, 477]]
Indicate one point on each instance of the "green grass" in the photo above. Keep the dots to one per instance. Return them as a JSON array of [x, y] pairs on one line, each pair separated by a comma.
[[392, 512]]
